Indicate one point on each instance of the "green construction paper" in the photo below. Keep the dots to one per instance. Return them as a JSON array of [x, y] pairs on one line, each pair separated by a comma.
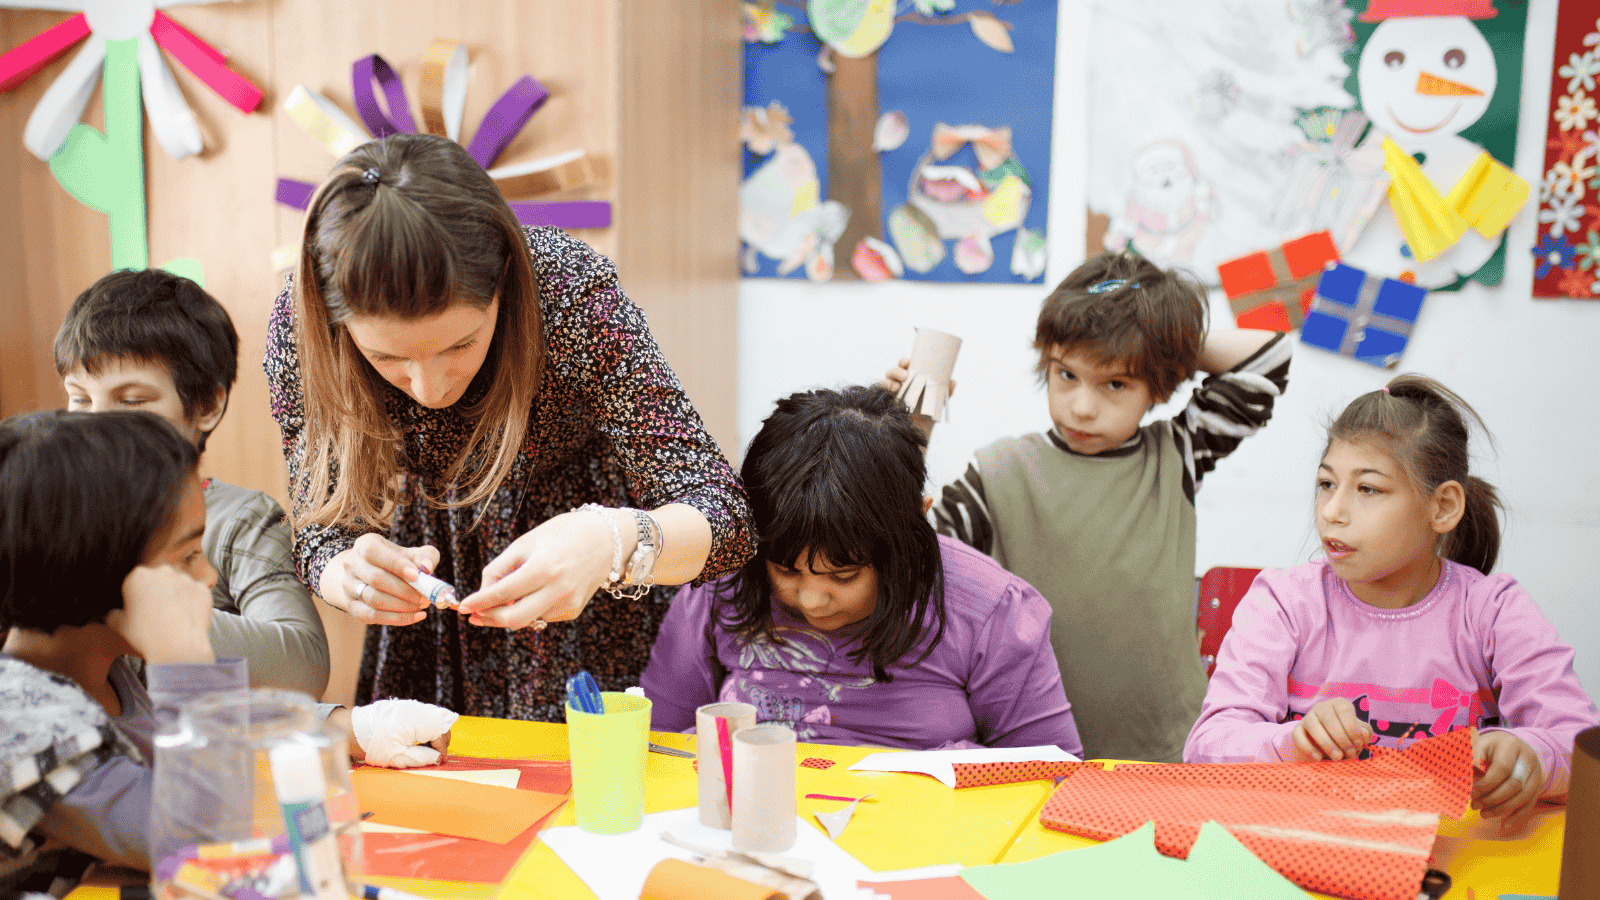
[[1218, 868], [187, 267], [105, 172]]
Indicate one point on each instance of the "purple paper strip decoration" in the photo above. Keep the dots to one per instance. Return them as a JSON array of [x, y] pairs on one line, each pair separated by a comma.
[[362, 74], [570, 214], [294, 193], [505, 118]]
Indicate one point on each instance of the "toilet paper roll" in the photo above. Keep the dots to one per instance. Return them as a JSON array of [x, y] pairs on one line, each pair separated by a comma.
[[712, 790], [765, 804], [1580, 851], [933, 360]]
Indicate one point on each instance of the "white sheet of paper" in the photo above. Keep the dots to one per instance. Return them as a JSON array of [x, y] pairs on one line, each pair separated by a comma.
[[938, 763], [615, 866], [506, 778]]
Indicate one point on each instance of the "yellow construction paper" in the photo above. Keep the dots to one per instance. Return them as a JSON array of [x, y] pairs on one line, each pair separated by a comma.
[[1489, 195], [1430, 224], [1003, 207], [482, 812]]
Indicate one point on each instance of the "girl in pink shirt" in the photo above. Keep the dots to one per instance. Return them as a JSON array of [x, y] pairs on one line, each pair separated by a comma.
[[1400, 633]]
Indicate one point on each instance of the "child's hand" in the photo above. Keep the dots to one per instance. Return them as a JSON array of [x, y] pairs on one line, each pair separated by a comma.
[[1512, 778], [1331, 730], [895, 377], [389, 732], [165, 616]]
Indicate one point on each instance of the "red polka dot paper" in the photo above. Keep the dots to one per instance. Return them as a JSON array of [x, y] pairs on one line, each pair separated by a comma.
[[1361, 829], [817, 762], [984, 774]]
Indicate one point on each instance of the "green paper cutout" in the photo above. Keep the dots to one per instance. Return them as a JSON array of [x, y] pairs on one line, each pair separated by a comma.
[[187, 267], [106, 172], [1218, 868]]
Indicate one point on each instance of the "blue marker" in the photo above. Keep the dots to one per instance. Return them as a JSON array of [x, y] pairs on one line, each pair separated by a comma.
[[583, 694]]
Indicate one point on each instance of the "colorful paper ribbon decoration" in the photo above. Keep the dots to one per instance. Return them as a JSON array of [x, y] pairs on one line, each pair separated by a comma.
[[1430, 224], [443, 99], [105, 172]]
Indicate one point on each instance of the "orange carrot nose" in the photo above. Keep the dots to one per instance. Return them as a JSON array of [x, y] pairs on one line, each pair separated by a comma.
[[1444, 87]]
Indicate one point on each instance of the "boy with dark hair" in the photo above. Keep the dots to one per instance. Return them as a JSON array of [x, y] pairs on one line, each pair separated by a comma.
[[153, 341], [1098, 512]]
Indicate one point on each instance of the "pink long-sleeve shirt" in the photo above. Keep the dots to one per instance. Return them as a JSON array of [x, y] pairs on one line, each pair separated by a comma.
[[1475, 651]]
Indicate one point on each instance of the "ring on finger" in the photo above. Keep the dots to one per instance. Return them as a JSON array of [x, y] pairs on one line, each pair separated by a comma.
[[361, 592], [539, 625], [1519, 772]]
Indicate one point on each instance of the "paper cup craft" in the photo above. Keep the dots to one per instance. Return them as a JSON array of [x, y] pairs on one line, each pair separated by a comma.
[[1362, 316], [1272, 289], [608, 753], [714, 787], [764, 802], [1580, 865], [927, 385]]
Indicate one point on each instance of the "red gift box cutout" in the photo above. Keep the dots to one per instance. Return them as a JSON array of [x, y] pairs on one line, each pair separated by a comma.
[[1272, 289]]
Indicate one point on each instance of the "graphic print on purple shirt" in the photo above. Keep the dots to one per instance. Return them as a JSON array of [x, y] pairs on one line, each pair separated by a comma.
[[1441, 698], [799, 659]]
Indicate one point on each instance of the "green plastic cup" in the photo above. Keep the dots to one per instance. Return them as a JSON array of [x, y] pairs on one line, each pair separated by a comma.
[[609, 755]]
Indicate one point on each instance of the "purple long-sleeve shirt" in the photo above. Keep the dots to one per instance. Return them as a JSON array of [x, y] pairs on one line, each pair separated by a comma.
[[1475, 651], [991, 681]]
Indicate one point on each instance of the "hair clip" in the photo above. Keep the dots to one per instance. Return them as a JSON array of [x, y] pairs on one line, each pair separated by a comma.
[[1100, 287], [1385, 389], [370, 176]]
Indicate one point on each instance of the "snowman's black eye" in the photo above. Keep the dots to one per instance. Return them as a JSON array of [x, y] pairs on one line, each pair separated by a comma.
[[1394, 59], [1454, 57]]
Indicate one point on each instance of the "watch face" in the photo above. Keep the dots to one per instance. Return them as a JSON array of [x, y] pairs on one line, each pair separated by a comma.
[[642, 563]]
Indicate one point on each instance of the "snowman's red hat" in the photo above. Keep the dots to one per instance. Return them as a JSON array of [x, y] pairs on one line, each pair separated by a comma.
[[1378, 10]]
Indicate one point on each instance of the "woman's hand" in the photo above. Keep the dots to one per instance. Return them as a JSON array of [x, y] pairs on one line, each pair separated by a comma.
[[165, 616], [1511, 778], [1331, 730], [550, 573], [372, 581]]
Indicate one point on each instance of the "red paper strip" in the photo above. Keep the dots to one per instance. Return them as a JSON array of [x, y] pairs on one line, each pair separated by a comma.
[[725, 747], [20, 62], [984, 774], [1360, 828], [206, 62]]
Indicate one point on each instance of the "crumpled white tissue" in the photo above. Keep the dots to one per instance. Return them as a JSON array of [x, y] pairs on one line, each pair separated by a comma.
[[389, 731]]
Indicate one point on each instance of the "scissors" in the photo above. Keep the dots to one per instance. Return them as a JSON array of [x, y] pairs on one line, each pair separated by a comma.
[[583, 694]]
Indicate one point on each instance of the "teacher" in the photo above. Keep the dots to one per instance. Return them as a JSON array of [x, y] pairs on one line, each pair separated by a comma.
[[462, 396]]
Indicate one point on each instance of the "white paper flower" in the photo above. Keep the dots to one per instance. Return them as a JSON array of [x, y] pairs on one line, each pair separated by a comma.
[[173, 122], [1581, 71], [1563, 214], [1573, 111]]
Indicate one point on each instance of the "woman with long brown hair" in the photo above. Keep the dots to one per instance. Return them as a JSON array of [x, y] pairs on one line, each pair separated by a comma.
[[463, 397]]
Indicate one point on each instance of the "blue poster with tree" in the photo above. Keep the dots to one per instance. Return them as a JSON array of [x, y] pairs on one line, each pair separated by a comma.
[[897, 139]]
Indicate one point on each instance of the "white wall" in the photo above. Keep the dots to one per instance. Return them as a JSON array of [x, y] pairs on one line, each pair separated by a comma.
[[1529, 368]]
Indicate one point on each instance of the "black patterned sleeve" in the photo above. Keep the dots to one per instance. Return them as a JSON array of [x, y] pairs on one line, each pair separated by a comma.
[[313, 545], [604, 342], [1228, 407], [962, 511]]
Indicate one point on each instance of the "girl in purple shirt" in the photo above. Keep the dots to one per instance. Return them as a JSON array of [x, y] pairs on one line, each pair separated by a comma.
[[855, 623], [1400, 634]]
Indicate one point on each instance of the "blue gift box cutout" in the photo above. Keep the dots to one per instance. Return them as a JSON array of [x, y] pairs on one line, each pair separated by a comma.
[[1364, 317]]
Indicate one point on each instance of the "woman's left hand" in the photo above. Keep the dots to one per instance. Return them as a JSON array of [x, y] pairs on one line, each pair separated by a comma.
[[548, 574]]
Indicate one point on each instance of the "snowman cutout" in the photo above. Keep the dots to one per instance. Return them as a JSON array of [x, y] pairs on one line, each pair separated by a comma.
[[1425, 75]]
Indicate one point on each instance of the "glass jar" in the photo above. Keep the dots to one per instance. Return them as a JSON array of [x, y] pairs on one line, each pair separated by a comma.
[[215, 816]]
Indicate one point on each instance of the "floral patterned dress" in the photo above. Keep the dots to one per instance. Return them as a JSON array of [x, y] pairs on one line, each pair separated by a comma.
[[610, 425]]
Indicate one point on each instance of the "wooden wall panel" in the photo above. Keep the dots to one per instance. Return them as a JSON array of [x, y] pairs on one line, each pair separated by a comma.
[[648, 86]]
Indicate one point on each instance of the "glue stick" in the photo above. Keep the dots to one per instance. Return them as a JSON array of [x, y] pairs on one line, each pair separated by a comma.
[[302, 793], [439, 593]]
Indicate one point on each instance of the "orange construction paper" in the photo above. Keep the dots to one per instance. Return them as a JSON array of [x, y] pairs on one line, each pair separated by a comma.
[[483, 812], [1358, 828], [985, 774], [674, 879]]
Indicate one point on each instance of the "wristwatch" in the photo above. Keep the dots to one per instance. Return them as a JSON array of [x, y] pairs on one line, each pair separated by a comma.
[[642, 564]]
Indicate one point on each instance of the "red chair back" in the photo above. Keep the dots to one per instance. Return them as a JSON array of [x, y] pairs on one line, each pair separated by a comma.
[[1221, 588]]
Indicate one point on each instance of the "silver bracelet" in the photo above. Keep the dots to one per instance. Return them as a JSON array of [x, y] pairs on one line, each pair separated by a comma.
[[616, 542]]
